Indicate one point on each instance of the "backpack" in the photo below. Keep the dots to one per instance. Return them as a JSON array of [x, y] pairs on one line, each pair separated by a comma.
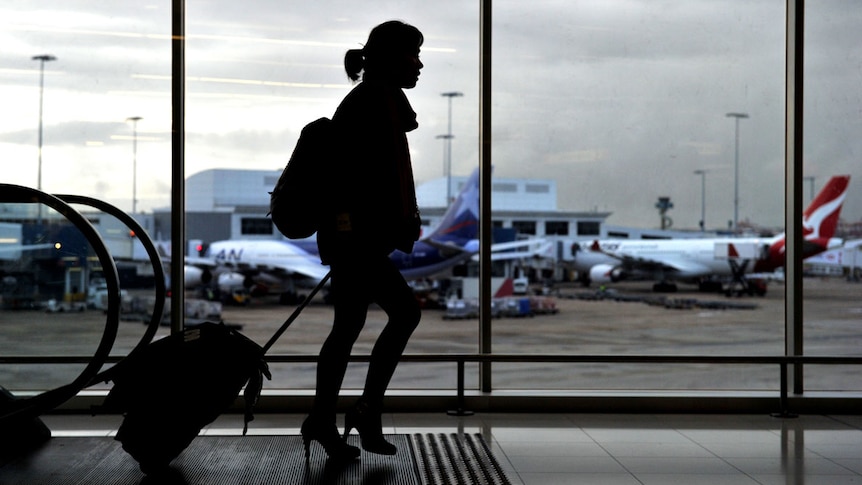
[[295, 204]]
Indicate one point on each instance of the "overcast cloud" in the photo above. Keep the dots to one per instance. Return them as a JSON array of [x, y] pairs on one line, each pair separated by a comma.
[[618, 101]]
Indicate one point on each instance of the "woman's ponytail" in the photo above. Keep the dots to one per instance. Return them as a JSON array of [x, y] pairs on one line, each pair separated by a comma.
[[354, 63]]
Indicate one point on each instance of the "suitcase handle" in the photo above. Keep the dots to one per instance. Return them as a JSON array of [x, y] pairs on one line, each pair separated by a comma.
[[296, 313]]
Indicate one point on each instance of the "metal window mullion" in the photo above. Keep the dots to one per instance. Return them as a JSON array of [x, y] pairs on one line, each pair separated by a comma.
[[485, 192], [178, 199], [793, 188]]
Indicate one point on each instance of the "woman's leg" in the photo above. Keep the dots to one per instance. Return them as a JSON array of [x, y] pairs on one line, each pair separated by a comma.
[[396, 298], [351, 308]]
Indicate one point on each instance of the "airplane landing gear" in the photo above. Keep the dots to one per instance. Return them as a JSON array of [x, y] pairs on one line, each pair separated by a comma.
[[740, 285], [664, 287]]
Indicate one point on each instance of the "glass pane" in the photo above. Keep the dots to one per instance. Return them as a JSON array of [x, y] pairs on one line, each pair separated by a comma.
[[634, 114], [832, 107], [46, 304], [637, 377], [258, 72], [609, 122], [87, 110], [92, 69]]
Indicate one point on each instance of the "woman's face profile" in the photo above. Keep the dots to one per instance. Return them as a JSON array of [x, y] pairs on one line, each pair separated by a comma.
[[407, 69]]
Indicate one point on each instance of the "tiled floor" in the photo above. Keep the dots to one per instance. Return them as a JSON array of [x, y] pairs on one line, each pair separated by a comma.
[[609, 449]]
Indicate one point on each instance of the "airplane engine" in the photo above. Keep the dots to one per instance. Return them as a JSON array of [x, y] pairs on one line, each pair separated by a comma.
[[604, 273], [234, 280], [194, 276]]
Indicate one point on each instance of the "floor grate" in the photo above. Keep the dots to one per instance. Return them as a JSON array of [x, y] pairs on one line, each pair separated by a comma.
[[456, 459]]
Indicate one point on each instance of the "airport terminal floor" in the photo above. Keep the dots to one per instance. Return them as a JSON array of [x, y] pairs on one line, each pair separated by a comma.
[[606, 449]]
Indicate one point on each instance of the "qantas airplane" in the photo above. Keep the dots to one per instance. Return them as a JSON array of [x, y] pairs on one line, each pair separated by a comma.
[[710, 261], [290, 263]]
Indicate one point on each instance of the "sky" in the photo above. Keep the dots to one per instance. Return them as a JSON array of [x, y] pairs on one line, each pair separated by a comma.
[[618, 101]]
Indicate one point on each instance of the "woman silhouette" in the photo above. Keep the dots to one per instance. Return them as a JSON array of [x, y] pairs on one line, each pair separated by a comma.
[[372, 212]]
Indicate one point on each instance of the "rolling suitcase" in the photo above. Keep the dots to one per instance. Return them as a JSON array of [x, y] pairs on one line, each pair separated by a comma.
[[172, 388]]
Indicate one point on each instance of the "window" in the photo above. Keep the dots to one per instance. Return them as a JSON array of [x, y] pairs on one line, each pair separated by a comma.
[[537, 188], [557, 228], [829, 45], [525, 227], [616, 106], [589, 228], [612, 108], [256, 226]]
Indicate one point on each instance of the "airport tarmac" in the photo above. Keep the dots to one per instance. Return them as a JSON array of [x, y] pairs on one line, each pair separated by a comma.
[[636, 324], [832, 315]]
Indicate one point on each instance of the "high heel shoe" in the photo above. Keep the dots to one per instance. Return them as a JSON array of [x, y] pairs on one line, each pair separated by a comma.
[[325, 433], [366, 420]]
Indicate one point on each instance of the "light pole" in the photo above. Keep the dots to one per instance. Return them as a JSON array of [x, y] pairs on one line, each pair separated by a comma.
[[448, 137], [810, 186], [737, 117], [42, 60], [447, 172], [702, 174], [134, 120]]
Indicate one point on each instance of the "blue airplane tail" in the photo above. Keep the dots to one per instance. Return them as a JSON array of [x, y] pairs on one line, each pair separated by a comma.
[[460, 223]]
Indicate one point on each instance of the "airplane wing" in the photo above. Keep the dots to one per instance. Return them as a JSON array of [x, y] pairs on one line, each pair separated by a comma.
[[512, 250], [301, 266], [208, 263], [515, 250], [449, 248]]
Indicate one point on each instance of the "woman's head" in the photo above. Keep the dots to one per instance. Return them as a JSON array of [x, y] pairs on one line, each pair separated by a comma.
[[391, 54]]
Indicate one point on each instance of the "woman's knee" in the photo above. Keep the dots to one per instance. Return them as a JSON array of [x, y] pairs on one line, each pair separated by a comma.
[[410, 316]]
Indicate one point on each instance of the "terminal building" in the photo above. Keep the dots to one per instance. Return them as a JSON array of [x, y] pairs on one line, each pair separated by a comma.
[[233, 204]]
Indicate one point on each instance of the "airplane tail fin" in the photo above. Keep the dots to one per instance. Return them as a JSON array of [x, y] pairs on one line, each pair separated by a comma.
[[820, 219], [460, 223]]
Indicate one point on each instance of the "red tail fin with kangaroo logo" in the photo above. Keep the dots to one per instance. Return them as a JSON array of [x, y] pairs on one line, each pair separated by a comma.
[[820, 219], [819, 222]]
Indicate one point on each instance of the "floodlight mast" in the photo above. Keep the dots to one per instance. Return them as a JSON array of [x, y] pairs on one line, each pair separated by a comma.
[[737, 117], [448, 137]]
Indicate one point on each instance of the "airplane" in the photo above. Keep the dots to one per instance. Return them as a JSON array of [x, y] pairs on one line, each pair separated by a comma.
[[709, 262], [290, 263]]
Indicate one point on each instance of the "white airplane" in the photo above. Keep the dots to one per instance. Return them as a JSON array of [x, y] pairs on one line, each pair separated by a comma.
[[708, 261], [285, 264]]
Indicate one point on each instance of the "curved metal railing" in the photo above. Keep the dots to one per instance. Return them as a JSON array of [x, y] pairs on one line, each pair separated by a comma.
[[33, 406]]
